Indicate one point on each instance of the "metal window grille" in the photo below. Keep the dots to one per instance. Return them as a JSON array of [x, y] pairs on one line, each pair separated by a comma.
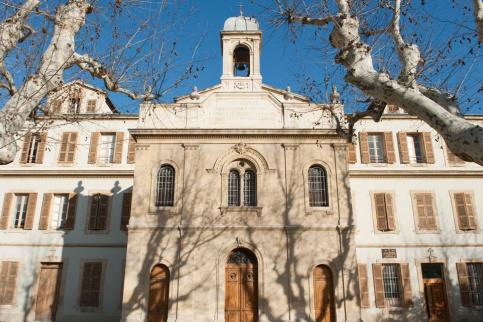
[[60, 211], [318, 194], [33, 147], [20, 211], [414, 148], [390, 275], [249, 189], [233, 188], [376, 151], [475, 279], [108, 142], [165, 191]]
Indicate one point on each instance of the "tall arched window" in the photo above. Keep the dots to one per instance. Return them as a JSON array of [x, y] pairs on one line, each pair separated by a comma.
[[318, 193], [249, 189], [165, 186], [233, 188]]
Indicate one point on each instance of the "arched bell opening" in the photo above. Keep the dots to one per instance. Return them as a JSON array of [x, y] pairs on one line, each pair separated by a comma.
[[241, 286], [241, 61]]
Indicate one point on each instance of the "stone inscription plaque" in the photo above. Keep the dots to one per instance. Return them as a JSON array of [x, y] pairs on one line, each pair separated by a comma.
[[244, 110], [389, 253]]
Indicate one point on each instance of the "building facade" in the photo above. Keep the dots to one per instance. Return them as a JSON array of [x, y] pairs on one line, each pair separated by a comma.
[[238, 202]]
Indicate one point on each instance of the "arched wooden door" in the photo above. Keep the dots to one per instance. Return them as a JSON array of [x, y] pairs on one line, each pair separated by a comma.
[[241, 287], [324, 294], [158, 294]]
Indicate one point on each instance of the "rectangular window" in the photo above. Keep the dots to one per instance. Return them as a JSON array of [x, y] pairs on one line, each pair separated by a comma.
[[475, 281], [453, 158], [384, 211], [91, 106], [91, 284], [8, 281], [33, 148], [465, 213], [21, 205], [376, 150], [392, 285], [106, 152], [74, 105], [99, 212], [392, 289], [424, 208], [68, 147], [414, 148], [59, 212]]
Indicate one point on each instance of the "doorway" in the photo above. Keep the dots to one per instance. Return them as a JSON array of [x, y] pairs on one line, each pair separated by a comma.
[[324, 301], [48, 293], [158, 294], [241, 287], [435, 292]]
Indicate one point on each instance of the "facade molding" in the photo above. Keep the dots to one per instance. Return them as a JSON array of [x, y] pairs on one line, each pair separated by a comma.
[[373, 173], [101, 173]]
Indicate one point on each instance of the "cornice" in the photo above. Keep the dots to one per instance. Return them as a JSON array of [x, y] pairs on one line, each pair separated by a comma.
[[421, 245], [101, 173], [63, 245], [375, 173]]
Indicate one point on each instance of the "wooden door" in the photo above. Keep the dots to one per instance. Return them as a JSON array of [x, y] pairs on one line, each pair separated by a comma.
[[437, 305], [324, 294], [158, 294], [241, 288], [48, 293]]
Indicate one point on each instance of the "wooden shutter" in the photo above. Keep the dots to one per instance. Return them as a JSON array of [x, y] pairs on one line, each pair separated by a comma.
[[91, 106], [406, 286], [126, 210], [25, 148], [41, 148], [91, 284], [71, 212], [464, 284], [380, 211], [389, 144], [364, 142], [452, 158], [68, 147], [363, 285], [45, 212], [430, 211], [403, 146], [391, 220], [93, 147], [464, 211], [352, 155], [7, 201], [428, 147], [118, 147], [63, 147], [30, 215], [469, 211], [102, 212], [425, 211], [93, 213], [378, 285], [8, 281], [131, 153]]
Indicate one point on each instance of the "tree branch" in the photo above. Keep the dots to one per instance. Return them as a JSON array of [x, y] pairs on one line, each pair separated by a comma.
[[375, 111], [478, 6]]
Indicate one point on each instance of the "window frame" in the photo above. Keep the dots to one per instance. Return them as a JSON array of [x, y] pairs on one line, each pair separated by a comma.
[[463, 264], [110, 146], [455, 212], [418, 230], [376, 229], [323, 191], [70, 147], [107, 229], [14, 296], [382, 158], [178, 186], [318, 210], [168, 188], [9, 211], [388, 149], [91, 309], [241, 167], [404, 284]]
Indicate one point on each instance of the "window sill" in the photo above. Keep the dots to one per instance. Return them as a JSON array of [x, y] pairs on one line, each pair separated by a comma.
[[97, 232], [16, 230], [89, 309], [163, 210], [241, 210], [59, 231], [319, 211]]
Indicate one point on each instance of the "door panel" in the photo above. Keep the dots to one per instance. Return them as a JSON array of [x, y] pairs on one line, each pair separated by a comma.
[[158, 294], [323, 294], [436, 297], [48, 293]]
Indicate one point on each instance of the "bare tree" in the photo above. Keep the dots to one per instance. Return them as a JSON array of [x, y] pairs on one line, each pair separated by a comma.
[[350, 24], [132, 46]]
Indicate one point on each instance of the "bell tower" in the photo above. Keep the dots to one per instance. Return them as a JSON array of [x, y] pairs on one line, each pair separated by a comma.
[[241, 44]]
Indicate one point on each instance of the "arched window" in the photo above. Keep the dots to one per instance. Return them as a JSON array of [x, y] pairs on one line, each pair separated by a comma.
[[318, 193], [249, 189], [241, 61], [233, 188], [165, 186]]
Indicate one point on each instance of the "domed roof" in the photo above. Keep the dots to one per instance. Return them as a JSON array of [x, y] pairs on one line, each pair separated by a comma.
[[240, 23]]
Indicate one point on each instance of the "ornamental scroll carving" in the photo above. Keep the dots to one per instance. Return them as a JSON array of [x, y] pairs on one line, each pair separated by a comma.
[[240, 148]]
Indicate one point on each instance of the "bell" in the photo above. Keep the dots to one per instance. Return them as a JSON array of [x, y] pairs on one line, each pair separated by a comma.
[[240, 66]]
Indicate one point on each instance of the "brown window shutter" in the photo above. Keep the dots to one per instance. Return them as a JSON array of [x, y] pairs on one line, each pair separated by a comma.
[[406, 286], [452, 158], [363, 285], [380, 204], [421, 211], [364, 142], [93, 147], [389, 143], [391, 220], [428, 147], [131, 153], [470, 212], [102, 212], [72, 147], [91, 106], [7, 201], [8, 281], [403, 146], [91, 284], [41, 148], [464, 284], [30, 215], [118, 147], [45, 212], [63, 147], [93, 213], [351, 153], [71, 212], [126, 210], [378, 285], [428, 204], [460, 205], [25, 148]]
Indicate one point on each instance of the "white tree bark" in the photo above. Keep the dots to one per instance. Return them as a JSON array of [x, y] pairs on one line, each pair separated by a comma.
[[430, 105], [478, 6]]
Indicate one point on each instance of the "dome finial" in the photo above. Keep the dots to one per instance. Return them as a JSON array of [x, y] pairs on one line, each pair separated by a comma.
[[241, 12]]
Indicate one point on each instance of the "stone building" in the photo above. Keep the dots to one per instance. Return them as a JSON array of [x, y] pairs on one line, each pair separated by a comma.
[[238, 202]]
